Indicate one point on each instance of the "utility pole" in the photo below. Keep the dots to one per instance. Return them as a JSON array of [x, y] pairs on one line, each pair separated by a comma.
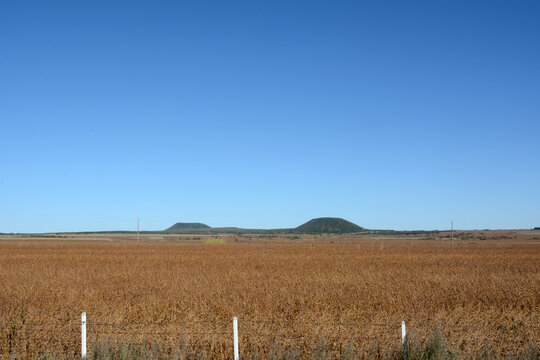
[[138, 229], [452, 224]]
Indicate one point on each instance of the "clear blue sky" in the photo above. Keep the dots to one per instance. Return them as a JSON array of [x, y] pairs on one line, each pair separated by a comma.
[[391, 114]]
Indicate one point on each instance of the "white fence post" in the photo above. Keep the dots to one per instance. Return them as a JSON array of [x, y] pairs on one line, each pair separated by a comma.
[[235, 334], [83, 335], [403, 338]]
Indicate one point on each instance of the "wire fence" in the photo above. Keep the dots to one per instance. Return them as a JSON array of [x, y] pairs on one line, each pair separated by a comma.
[[71, 336]]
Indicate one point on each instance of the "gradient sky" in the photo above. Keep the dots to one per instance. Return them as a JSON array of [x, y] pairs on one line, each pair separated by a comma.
[[391, 114]]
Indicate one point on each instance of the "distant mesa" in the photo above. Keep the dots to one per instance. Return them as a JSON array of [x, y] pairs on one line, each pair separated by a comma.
[[325, 225], [329, 226], [188, 226]]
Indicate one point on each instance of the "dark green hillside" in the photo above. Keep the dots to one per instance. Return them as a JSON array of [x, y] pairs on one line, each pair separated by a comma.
[[188, 226], [328, 225], [314, 226]]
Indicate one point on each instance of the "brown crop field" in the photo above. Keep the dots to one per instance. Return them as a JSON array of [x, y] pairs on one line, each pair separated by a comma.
[[482, 292]]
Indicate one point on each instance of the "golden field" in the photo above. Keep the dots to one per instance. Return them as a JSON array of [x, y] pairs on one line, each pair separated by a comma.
[[482, 290]]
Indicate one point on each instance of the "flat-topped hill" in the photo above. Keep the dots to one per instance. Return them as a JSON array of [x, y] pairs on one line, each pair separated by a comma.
[[329, 226], [187, 226], [324, 225]]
